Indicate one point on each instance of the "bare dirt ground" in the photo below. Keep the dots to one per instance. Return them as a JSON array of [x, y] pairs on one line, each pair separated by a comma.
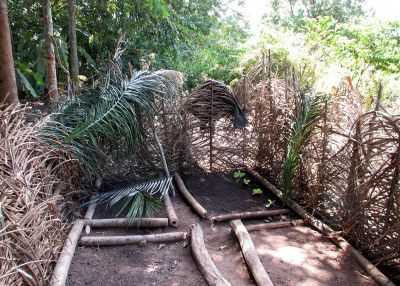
[[292, 256]]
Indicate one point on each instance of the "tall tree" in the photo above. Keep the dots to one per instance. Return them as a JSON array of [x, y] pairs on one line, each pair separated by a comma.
[[51, 75], [292, 13], [8, 85], [73, 49]]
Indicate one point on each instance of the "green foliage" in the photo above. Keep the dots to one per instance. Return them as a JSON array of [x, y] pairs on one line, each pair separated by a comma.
[[308, 113], [269, 203], [239, 174], [257, 192], [246, 181], [293, 13]]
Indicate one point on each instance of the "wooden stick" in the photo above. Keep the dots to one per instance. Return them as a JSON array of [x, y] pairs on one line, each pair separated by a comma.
[[172, 218], [121, 222], [204, 262], [246, 215], [274, 225], [250, 254], [89, 215], [131, 239], [189, 198], [60, 272], [368, 267]]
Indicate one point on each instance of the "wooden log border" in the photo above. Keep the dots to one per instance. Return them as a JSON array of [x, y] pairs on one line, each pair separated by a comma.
[[172, 217], [250, 254], [132, 223], [249, 215], [203, 259], [365, 264], [274, 225], [189, 198], [131, 239]]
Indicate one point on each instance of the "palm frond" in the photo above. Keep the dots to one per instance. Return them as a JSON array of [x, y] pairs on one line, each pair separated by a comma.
[[104, 120], [140, 199], [308, 114]]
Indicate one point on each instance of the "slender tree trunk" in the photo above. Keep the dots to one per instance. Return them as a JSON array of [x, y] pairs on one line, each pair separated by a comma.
[[8, 85], [51, 76], [73, 49]]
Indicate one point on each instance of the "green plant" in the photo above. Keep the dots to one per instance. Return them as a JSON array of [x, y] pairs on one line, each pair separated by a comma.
[[257, 192], [246, 181], [239, 174], [308, 113], [269, 203]]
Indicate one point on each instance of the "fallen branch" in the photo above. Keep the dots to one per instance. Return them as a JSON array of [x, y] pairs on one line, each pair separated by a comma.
[[368, 267], [274, 225], [121, 222], [189, 198], [132, 239], [206, 266], [247, 215], [172, 218], [60, 272], [250, 254]]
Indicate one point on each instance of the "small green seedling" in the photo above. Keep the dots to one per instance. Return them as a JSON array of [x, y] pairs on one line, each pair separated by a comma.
[[269, 203], [238, 174], [257, 192], [246, 181]]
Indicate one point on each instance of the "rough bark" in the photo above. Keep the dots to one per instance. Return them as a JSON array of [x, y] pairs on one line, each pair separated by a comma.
[[204, 262], [274, 225], [60, 272], [134, 223], [172, 218], [188, 197], [73, 48], [132, 239], [8, 84], [247, 215], [250, 254], [51, 75]]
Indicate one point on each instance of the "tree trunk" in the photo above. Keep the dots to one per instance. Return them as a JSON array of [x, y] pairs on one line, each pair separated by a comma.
[[8, 85], [73, 49], [51, 76]]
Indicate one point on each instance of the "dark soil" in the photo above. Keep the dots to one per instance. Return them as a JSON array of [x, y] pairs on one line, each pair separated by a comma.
[[221, 194], [292, 256]]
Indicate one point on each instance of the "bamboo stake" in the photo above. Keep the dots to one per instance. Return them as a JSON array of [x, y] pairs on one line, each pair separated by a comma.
[[250, 254], [89, 215], [172, 217], [189, 198], [204, 262], [133, 223], [247, 215], [60, 272], [274, 225], [368, 267], [132, 239]]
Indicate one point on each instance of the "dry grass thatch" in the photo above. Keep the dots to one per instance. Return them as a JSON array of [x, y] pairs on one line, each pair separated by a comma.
[[35, 183]]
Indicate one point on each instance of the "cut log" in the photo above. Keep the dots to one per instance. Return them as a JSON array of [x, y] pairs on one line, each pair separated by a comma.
[[247, 215], [60, 272], [250, 254], [188, 197], [274, 225], [132, 239], [203, 259], [89, 215], [172, 218], [133, 223], [365, 264]]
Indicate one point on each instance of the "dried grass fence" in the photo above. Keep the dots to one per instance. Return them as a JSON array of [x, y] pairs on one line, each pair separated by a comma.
[[36, 184], [348, 171]]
